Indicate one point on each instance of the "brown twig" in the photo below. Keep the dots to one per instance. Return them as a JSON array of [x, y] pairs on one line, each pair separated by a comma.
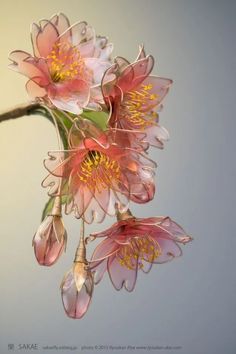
[[20, 111]]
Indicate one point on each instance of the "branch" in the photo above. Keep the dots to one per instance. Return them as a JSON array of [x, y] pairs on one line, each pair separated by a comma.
[[20, 111], [34, 108]]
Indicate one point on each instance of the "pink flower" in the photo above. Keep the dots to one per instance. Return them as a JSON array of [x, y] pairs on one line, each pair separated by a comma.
[[76, 290], [100, 175], [134, 244], [67, 66], [50, 240], [133, 95]]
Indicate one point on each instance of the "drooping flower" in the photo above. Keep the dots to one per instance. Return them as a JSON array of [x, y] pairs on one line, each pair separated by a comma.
[[67, 65], [77, 285], [50, 239], [133, 244], [100, 175], [133, 97]]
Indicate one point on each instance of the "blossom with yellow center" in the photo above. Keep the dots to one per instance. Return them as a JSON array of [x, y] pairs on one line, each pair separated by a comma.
[[134, 244], [134, 98], [100, 175], [67, 66]]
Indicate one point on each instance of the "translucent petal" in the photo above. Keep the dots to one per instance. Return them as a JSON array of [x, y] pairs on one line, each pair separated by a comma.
[[120, 275], [31, 67], [34, 90], [103, 250], [71, 96], [79, 32], [76, 303], [169, 250], [98, 67], [61, 22], [43, 38], [48, 245]]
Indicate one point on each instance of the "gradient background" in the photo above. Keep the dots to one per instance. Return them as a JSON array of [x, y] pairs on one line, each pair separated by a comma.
[[191, 301]]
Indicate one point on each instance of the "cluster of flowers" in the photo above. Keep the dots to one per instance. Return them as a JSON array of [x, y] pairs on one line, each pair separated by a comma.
[[105, 114]]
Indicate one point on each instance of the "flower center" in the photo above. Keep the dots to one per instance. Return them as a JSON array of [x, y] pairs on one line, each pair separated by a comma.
[[65, 62], [136, 104], [98, 170], [139, 249]]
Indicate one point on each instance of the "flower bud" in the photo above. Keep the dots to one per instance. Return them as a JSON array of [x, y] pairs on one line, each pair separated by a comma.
[[76, 290], [50, 240]]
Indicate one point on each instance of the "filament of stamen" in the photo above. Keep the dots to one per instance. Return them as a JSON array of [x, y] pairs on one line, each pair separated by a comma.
[[65, 62], [140, 249], [137, 102], [98, 170]]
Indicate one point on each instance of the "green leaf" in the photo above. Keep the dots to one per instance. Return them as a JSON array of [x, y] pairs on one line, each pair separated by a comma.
[[48, 208], [65, 118], [100, 118]]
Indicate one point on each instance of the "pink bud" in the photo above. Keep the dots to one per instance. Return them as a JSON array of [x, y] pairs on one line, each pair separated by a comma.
[[50, 240], [76, 290]]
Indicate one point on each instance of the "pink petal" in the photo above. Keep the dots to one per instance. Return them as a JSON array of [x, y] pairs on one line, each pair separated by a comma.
[[79, 32], [98, 67], [147, 266], [94, 213], [61, 22], [160, 88], [113, 230], [103, 250], [29, 66], [58, 166], [34, 90], [35, 29], [70, 95], [98, 263], [81, 201], [141, 54], [135, 74], [43, 38], [120, 275], [99, 271], [47, 254], [103, 198], [156, 135], [169, 250], [172, 227], [87, 49], [47, 247], [96, 97], [106, 52], [76, 303], [70, 105]]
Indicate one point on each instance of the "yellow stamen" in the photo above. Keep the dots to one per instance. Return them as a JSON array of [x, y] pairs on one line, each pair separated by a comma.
[[142, 248], [138, 103], [65, 62], [98, 171]]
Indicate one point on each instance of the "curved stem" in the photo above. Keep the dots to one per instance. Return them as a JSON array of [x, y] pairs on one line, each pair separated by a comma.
[[20, 111], [34, 108]]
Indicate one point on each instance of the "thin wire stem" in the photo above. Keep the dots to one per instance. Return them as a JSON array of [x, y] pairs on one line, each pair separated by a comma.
[[59, 141], [80, 255], [69, 117], [82, 229], [62, 123]]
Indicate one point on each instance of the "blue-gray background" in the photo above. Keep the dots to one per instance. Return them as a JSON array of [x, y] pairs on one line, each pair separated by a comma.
[[191, 301]]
